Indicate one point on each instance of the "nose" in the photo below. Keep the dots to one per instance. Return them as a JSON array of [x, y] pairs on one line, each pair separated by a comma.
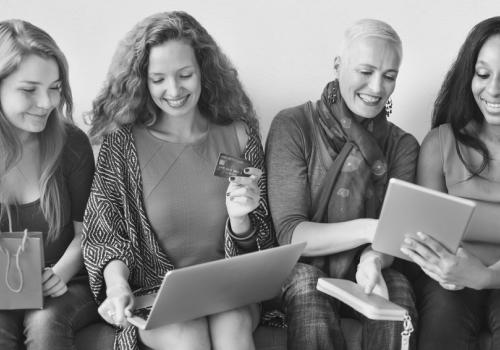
[[494, 86], [171, 87], [375, 83], [44, 100]]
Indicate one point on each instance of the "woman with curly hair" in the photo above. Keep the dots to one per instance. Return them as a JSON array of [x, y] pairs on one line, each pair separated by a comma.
[[46, 170], [172, 102]]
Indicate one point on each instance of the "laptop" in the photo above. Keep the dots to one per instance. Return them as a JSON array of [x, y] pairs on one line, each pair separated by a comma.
[[204, 289], [410, 208]]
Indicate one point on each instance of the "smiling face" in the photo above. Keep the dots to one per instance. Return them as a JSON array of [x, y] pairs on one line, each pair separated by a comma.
[[174, 78], [367, 74], [30, 93], [486, 80]]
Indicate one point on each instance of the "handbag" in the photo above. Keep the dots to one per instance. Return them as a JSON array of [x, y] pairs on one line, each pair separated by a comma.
[[21, 264]]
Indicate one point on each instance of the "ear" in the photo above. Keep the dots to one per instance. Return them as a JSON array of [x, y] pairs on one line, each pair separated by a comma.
[[336, 65]]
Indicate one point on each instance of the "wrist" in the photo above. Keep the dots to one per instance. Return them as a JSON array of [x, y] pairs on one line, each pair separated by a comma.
[[123, 287], [240, 225]]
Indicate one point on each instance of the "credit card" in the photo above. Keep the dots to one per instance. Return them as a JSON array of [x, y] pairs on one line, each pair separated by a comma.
[[230, 166]]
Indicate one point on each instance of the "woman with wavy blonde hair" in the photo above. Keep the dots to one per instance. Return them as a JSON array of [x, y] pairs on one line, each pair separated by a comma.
[[172, 102], [46, 168]]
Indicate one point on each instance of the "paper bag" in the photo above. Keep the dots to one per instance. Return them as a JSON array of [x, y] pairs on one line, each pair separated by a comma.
[[21, 264]]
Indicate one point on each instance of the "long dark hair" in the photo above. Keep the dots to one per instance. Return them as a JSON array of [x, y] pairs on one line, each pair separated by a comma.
[[125, 96], [455, 103]]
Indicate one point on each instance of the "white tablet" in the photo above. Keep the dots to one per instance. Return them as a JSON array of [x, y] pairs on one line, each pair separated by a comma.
[[410, 208]]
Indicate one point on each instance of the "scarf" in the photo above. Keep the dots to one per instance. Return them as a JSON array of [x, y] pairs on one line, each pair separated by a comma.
[[355, 184]]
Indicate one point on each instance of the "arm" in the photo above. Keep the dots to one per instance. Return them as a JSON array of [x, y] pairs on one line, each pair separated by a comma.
[[105, 237], [78, 171], [369, 272], [254, 229], [71, 262], [289, 195], [451, 270]]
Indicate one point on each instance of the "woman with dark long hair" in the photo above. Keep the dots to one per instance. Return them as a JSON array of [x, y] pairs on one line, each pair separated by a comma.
[[172, 102], [461, 155]]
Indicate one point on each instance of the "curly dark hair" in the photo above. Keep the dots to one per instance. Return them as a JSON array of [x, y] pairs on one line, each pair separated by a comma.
[[125, 96], [455, 103]]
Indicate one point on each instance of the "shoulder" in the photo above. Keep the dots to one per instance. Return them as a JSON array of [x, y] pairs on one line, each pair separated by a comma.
[[434, 140], [405, 141], [77, 143], [294, 122], [288, 117], [431, 149]]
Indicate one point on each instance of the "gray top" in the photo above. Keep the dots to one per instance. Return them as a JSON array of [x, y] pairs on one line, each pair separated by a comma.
[[297, 161], [184, 201]]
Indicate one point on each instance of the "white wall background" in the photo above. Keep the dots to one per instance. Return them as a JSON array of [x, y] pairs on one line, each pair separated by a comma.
[[283, 49]]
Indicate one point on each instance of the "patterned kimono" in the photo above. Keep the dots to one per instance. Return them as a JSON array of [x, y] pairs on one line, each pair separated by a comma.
[[116, 226]]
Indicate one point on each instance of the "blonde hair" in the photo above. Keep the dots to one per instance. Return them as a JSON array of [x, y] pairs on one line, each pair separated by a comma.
[[369, 27], [19, 39]]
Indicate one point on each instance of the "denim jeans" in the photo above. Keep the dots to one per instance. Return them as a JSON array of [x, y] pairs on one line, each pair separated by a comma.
[[314, 317], [53, 327], [454, 319]]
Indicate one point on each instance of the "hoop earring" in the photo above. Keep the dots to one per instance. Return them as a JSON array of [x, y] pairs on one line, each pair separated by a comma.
[[388, 108], [332, 93]]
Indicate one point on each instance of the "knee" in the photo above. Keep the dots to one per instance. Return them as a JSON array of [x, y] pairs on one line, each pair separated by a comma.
[[400, 289], [236, 321], [187, 335], [302, 281]]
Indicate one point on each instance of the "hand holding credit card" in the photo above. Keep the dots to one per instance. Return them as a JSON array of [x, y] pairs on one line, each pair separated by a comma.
[[230, 166]]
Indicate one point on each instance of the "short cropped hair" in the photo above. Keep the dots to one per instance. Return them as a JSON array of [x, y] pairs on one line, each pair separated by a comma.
[[369, 27]]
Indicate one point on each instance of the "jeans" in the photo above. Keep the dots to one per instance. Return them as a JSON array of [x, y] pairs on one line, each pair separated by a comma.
[[53, 327], [314, 317], [454, 319]]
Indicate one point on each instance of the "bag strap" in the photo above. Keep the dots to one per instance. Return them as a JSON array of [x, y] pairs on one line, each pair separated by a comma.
[[405, 334], [20, 250]]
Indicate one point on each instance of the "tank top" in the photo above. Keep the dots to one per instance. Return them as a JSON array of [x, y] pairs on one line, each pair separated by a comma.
[[184, 201], [483, 190]]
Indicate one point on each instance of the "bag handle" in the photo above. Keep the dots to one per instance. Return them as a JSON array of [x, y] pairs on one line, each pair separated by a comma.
[[20, 250], [405, 334]]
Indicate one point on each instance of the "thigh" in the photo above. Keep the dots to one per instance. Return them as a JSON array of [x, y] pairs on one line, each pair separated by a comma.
[[492, 310], [233, 329], [192, 335], [379, 334], [448, 319], [243, 318], [75, 308], [10, 329]]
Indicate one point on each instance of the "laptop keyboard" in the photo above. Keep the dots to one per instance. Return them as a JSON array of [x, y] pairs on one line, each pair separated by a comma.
[[142, 312]]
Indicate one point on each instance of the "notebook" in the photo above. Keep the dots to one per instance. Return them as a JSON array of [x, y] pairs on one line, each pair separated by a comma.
[[216, 286], [409, 208], [372, 305]]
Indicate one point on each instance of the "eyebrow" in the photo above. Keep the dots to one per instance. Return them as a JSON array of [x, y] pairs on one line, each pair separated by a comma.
[[39, 83], [157, 73], [373, 67]]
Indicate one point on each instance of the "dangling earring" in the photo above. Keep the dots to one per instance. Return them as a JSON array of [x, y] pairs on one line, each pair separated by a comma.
[[388, 108], [332, 93]]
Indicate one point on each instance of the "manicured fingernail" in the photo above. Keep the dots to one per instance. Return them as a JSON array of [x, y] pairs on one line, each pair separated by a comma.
[[407, 240], [404, 250], [420, 235], [232, 178], [246, 170]]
